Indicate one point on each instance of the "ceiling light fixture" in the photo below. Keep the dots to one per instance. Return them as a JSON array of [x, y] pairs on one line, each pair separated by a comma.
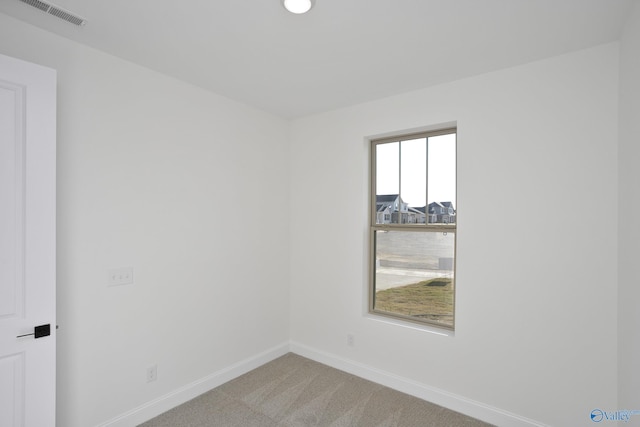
[[298, 6]]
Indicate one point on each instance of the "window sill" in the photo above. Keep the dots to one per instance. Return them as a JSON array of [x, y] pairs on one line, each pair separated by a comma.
[[410, 325]]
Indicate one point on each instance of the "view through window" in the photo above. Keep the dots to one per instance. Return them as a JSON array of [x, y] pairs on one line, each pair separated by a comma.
[[413, 227]]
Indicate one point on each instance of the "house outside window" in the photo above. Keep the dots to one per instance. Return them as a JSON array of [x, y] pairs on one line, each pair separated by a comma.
[[413, 255]]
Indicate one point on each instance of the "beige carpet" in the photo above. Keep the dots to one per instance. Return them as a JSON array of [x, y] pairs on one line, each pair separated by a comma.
[[294, 391]]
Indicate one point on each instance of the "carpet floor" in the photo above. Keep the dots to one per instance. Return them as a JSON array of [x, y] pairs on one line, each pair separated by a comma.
[[293, 391]]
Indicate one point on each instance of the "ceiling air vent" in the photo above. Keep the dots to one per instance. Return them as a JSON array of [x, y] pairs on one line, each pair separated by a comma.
[[55, 11]]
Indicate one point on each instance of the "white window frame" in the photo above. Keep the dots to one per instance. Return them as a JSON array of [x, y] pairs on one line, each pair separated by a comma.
[[419, 227]]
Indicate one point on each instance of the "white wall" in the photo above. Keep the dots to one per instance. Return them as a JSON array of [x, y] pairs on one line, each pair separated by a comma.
[[148, 170], [629, 234], [536, 284]]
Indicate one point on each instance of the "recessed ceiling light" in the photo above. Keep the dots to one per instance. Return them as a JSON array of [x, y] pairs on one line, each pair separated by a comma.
[[298, 6]]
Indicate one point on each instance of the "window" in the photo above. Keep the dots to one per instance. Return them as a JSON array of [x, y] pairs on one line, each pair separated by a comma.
[[413, 254]]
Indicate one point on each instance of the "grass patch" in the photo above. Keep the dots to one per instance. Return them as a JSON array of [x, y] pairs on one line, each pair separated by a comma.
[[430, 299]]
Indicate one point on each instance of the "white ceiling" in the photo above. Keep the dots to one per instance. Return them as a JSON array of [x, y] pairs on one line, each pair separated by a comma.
[[341, 53]]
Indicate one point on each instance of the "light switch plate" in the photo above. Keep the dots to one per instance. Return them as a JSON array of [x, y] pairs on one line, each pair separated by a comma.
[[120, 276]]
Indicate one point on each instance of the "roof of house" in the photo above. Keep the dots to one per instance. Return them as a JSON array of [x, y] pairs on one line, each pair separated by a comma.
[[442, 204], [386, 198]]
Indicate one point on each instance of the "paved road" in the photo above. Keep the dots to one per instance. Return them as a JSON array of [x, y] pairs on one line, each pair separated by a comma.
[[387, 277], [404, 258]]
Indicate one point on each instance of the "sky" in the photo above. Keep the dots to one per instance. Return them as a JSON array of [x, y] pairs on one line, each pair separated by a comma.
[[411, 154]]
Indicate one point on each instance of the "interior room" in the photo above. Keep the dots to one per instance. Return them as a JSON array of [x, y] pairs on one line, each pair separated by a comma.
[[221, 151]]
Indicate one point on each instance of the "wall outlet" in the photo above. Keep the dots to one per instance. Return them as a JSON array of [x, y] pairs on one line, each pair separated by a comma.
[[351, 340], [152, 373], [120, 276]]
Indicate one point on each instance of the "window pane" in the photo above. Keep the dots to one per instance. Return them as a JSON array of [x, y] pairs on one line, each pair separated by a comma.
[[387, 183], [414, 274], [413, 179], [442, 179]]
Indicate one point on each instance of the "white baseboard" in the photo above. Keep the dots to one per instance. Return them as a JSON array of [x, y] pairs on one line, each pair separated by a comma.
[[177, 397], [440, 397], [443, 398]]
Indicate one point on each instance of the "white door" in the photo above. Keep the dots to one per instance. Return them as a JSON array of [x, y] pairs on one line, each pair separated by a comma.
[[27, 244]]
